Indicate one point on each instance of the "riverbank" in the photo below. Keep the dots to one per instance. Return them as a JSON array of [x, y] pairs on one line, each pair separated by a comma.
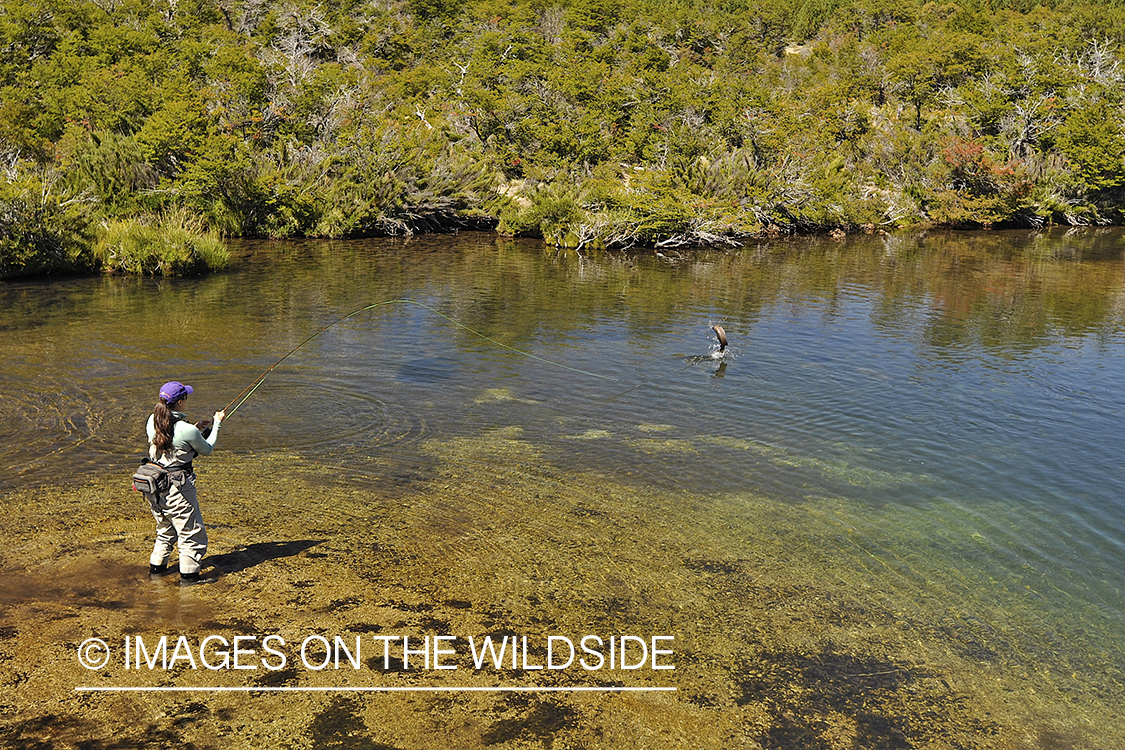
[[782, 637], [592, 125]]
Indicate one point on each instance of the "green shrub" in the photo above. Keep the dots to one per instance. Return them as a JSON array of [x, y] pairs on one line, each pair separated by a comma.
[[174, 244], [391, 179], [551, 212], [42, 230], [113, 169], [1092, 142]]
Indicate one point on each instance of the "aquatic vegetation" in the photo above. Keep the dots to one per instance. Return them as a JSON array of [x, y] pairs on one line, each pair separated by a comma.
[[591, 434], [860, 476], [496, 395], [654, 445], [850, 472], [509, 433], [783, 634], [743, 444]]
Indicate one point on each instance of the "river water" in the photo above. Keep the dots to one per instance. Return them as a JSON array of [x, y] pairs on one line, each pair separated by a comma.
[[935, 417]]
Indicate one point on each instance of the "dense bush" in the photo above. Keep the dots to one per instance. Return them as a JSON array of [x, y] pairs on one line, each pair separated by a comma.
[[587, 122], [43, 228]]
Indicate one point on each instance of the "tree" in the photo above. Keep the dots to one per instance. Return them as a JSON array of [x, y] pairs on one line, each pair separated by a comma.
[[1092, 141]]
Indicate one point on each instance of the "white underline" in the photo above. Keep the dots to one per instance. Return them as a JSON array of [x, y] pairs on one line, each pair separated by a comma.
[[500, 689]]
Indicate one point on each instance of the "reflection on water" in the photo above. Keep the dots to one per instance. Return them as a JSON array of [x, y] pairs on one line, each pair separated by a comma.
[[934, 419]]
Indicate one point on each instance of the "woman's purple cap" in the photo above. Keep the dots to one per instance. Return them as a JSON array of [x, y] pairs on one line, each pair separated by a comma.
[[173, 391]]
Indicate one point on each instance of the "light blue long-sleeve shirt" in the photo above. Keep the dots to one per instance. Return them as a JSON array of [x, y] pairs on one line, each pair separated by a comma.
[[187, 441]]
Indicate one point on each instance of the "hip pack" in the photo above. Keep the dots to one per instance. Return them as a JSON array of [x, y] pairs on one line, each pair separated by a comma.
[[151, 478]]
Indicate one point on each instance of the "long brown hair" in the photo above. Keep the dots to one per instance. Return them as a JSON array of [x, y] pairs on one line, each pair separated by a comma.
[[165, 425]]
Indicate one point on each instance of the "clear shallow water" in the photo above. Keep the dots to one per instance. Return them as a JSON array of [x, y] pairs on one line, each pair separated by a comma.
[[946, 409]]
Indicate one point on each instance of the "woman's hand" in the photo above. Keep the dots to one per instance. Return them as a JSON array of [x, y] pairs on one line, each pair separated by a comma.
[[219, 417]]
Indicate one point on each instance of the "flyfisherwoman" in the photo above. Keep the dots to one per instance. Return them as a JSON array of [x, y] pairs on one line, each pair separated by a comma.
[[174, 442]]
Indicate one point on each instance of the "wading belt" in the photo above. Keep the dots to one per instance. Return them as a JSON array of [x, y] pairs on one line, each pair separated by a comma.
[[184, 469]]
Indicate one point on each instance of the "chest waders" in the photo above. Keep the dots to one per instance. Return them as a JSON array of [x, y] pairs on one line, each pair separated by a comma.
[[170, 491]]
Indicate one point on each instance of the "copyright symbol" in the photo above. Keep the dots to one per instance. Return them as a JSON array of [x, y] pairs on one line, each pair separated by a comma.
[[93, 653]]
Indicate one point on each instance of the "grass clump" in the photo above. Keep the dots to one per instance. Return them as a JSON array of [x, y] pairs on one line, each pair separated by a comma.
[[172, 244]]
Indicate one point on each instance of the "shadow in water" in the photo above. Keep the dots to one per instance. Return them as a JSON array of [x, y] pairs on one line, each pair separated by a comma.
[[428, 370], [253, 554]]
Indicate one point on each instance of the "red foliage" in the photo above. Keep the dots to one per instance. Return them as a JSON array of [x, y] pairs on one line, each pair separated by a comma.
[[973, 165]]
